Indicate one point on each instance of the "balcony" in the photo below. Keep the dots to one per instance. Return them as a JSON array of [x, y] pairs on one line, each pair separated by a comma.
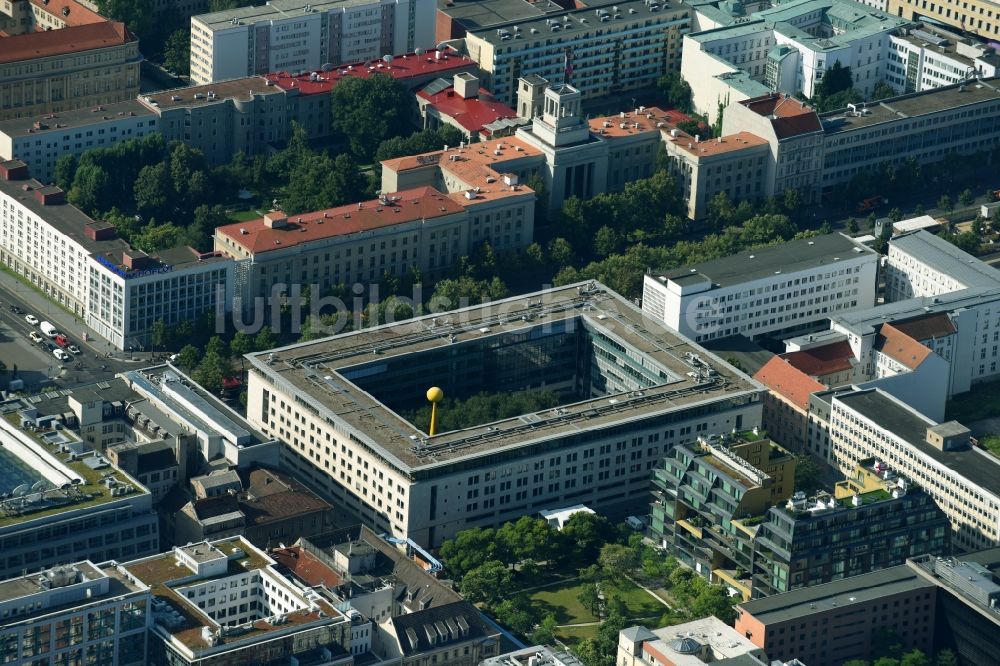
[[688, 527], [736, 579]]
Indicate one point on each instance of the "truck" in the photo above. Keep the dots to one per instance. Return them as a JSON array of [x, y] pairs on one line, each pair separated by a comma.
[[48, 329]]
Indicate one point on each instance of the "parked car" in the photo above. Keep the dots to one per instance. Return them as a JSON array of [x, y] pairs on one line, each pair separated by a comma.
[[35, 336], [50, 346], [60, 354], [31, 319], [61, 340], [73, 349], [16, 310]]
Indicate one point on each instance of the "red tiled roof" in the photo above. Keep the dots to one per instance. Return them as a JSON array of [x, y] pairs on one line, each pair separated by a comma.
[[472, 113], [927, 327], [788, 116], [70, 11], [785, 379], [67, 40], [306, 566], [899, 346], [822, 361], [422, 203], [401, 68]]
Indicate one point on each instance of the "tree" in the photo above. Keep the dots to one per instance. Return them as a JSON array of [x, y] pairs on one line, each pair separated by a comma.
[[136, 14], [618, 560], [944, 203], [895, 214], [155, 237], [590, 599], [211, 372], [153, 188], [946, 658], [265, 339], [883, 90], [452, 293], [488, 583], [527, 539], [241, 344], [586, 533], [714, 600], [560, 252], [915, 658], [188, 357], [676, 91], [469, 549], [177, 51], [369, 111], [517, 614], [605, 241], [836, 79], [693, 128], [159, 334], [966, 197], [65, 171], [217, 346], [90, 186], [808, 474], [545, 632], [852, 227]]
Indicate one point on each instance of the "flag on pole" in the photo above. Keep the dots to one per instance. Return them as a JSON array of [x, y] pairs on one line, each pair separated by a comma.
[[568, 65]]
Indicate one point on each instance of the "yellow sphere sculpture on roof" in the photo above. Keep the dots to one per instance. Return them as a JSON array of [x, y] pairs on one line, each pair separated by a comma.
[[434, 396]]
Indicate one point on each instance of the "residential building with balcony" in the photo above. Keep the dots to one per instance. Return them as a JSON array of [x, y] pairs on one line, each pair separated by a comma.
[[704, 641]]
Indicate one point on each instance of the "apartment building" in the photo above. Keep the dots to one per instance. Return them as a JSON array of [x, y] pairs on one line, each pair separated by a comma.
[[787, 48], [921, 264], [225, 602], [736, 527], [415, 229], [40, 140], [63, 501], [72, 614], [605, 48], [80, 263], [963, 480], [627, 407], [294, 36], [786, 405], [73, 67], [772, 290], [703, 641]]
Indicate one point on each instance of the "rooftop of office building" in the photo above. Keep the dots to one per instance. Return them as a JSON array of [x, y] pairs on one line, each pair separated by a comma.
[[840, 594], [643, 120], [937, 39], [45, 471], [789, 116], [476, 15], [242, 90], [780, 376], [789, 258], [70, 12], [364, 379], [977, 466], [47, 124], [722, 145], [472, 113], [932, 250], [563, 25], [175, 578], [420, 65], [272, 10], [63, 588], [915, 105]]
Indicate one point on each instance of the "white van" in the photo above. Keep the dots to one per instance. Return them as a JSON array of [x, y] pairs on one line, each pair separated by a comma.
[[48, 329]]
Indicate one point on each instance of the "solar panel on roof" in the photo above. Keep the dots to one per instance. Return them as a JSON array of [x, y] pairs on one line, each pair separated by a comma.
[[436, 86]]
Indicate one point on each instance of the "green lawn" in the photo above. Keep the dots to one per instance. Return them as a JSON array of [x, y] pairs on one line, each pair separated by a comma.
[[562, 602], [992, 444], [573, 635], [982, 402], [243, 215]]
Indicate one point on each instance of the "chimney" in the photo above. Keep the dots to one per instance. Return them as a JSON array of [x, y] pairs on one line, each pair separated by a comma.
[[13, 170], [50, 196], [136, 260]]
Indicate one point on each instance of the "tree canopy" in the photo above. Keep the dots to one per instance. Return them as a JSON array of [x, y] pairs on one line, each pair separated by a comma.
[[369, 111]]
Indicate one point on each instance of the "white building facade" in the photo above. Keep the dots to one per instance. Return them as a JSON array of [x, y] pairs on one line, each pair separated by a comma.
[[296, 36], [792, 286]]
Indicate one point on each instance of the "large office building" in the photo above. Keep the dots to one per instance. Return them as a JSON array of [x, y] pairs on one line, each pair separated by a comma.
[[963, 480], [627, 390], [416, 229], [721, 508], [978, 18], [929, 604], [919, 264], [39, 141], [703, 641], [118, 291], [224, 602], [772, 290], [601, 49], [296, 36], [74, 614], [61, 68], [64, 502]]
